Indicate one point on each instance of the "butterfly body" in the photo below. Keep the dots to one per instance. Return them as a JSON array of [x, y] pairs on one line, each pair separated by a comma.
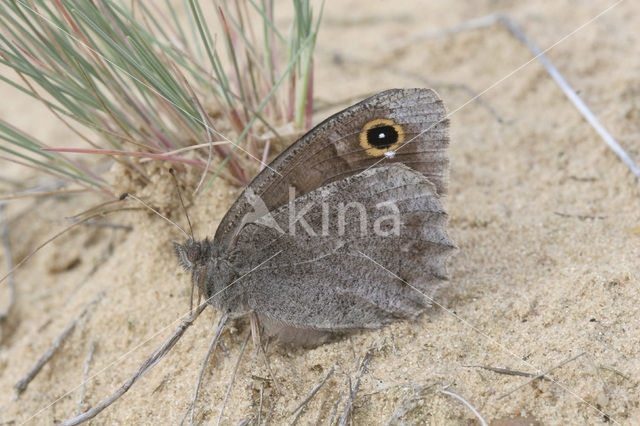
[[344, 230]]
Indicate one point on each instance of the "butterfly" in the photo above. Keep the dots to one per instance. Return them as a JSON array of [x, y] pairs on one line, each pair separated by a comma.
[[345, 230]]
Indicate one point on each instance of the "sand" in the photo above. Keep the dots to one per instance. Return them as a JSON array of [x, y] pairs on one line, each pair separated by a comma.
[[545, 217]]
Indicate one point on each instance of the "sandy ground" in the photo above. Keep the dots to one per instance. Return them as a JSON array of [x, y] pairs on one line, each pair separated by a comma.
[[545, 216]]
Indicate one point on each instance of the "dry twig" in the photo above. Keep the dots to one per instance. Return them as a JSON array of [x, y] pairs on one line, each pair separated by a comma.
[[541, 375], [352, 394], [146, 366], [506, 371], [315, 390], [541, 56], [23, 383], [84, 378]]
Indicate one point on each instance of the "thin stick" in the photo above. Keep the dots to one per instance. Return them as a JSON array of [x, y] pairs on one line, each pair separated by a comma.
[[271, 409], [579, 216], [233, 377], [408, 404], [223, 347], [483, 422], [409, 385], [255, 332], [539, 54], [95, 210], [260, 405], [505, 371], [320, 410], [255, 359], [23, 383], [363, 369], [4, 230], [571, 94], [84, 378], [268, 364], [308, 398], [254, 323], [211, 350], [541, 375], [406, 407], [335, 408], [146, 366]]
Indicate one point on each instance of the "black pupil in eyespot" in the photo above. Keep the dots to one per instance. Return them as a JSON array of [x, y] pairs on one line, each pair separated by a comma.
[[382, 136]]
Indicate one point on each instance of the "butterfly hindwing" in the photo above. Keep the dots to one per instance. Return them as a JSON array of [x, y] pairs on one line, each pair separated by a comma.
[[352, 274]]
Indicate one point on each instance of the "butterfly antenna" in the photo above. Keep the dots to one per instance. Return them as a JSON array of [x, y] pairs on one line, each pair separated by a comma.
[[173, 173], [127, 194]]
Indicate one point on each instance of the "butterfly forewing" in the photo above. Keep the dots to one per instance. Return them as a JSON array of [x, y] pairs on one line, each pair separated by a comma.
[[412, 124]]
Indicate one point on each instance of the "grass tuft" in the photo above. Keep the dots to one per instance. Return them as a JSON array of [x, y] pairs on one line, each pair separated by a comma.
[[146, 79]]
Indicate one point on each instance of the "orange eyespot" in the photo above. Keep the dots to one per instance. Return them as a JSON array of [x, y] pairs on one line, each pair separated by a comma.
[[380, 136]]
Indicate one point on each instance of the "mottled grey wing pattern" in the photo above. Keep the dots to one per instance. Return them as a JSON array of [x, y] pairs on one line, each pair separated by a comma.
[[333, 150], [328, 281]]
